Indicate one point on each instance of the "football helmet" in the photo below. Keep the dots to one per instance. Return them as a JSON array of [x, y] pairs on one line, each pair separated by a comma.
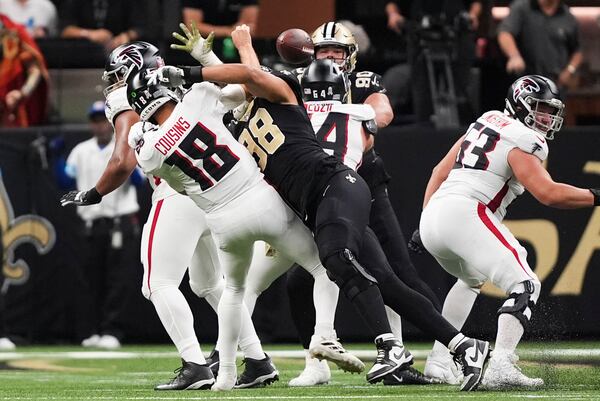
[[126, 60], [535, 101], [324, 80], [336, 34]]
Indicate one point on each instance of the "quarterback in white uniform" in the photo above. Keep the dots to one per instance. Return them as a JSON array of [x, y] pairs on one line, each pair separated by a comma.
[[465, 202], [195, 153]]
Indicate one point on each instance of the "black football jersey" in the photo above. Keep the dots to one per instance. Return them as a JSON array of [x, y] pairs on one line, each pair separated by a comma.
[[283, 143], [362, 84]]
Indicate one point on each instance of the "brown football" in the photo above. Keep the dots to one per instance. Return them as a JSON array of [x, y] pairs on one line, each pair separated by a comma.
[[295, 46]]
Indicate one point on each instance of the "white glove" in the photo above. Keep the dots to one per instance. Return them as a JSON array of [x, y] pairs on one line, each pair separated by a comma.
[[240, 111], [232, 96], [137, 131], [167, 75], [198, 47], [116, 102]]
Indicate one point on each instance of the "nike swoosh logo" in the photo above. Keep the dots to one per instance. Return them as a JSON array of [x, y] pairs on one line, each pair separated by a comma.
[[478, 354], [397, 356]]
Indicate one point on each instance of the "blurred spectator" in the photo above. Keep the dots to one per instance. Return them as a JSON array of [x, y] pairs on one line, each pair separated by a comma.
[[541, 37], [23, 78], [38, 16], [221, 17], [109, 23], [111, 232], [441, 27]]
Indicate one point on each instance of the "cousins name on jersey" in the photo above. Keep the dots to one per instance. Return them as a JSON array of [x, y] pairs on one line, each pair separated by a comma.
[[171, 136]]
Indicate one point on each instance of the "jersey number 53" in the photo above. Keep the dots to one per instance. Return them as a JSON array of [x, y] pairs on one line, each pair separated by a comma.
[[479, 141]]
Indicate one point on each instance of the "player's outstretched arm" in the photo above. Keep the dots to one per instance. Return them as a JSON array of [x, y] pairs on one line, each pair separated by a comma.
[[441, 171], [197, 46], [383, 109], [243, 43], [528, 169]]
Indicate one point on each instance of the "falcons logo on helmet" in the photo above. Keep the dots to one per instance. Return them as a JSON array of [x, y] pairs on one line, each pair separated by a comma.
[[526, 85], [131, 53]]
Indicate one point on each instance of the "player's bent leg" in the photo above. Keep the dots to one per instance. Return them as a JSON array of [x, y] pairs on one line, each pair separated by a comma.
[[513, 319], [457, 307]]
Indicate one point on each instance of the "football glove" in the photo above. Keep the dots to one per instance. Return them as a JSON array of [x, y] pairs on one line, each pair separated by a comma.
[[81, 198], [198, 47], [116, 102], [168, 76], [415, 244]]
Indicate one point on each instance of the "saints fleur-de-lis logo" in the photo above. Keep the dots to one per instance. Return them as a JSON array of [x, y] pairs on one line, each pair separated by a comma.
[[28, 228]]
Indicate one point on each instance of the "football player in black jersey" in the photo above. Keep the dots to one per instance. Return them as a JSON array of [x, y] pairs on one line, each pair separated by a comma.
[[333, 40], [334, 202]]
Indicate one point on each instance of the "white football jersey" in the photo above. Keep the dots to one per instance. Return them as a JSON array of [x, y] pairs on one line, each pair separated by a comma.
[[193, 151], [338, 128], [481, 170]]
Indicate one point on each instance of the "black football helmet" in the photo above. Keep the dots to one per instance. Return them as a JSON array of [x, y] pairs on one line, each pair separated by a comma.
[[535, 101], [128, 59], [323, 79]]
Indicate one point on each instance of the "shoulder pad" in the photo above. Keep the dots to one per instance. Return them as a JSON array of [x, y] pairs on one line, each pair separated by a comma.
[[532, 143]]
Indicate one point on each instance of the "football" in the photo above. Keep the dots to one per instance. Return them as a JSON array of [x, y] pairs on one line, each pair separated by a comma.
[[295, 46]]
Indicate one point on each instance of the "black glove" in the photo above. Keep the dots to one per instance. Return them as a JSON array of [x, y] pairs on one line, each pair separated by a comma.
[[81, 198], [415, 244]]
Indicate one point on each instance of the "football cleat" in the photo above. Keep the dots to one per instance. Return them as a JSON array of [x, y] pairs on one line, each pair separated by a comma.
[[6, 344], [315, 373], [213, 362], [257, 373], [108, 341], [407, 376], [503, 373], [190, 376], [331, 350], [91, 341], [439, 366], [391, 356], [472, 356]]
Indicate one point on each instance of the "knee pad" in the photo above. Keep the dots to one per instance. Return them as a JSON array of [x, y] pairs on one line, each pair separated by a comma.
[[521, 300], [343, 269]]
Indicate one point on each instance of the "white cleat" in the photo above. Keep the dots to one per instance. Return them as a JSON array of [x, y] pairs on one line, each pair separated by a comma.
[[315, 373], [503, 373], [440, 366], [6, 344], [109, 342], [224, 382], [331, 350], [91, 341]]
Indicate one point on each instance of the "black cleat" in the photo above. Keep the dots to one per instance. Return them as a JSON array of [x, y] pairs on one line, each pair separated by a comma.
[[391, 356], [407, 376], [190, 376], [213, 362], [472, 356], [257, 373]]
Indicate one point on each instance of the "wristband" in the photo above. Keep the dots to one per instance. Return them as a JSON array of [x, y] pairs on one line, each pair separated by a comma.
[[596, 193], [192, 75], [93, 196]]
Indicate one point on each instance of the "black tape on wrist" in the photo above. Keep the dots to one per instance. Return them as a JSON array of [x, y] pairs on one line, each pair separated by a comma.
[[93, 195], [596, 193], [192, 75]]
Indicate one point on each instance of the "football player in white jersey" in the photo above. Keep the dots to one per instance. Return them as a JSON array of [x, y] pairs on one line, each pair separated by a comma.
[[165, 264], [195, 153], [465, 202]]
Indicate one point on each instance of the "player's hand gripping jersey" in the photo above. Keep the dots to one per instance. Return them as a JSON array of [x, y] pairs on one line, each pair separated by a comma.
[[194, 152], [338, 128], [481, 169]]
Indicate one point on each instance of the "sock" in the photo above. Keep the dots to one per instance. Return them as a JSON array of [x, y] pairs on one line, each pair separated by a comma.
[[230, 323], [325, 299], [395, 323], [457, 307], [178, 320], [509, 334], [249, 342], [456, 341]]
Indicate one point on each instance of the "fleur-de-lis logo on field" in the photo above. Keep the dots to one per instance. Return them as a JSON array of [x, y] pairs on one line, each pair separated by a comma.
[[28, 228]]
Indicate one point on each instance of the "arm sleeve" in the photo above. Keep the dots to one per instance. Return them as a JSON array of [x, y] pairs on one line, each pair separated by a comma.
[[514, 21], [533, 144]]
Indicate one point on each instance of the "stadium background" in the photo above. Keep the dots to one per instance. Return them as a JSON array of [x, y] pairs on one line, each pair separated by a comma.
[[41, 295]]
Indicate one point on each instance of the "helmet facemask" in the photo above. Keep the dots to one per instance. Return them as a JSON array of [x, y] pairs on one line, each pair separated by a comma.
[[333, 34], [545, 116]]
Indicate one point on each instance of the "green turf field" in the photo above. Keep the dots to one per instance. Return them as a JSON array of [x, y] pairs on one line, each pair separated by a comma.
[[571, 372]]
